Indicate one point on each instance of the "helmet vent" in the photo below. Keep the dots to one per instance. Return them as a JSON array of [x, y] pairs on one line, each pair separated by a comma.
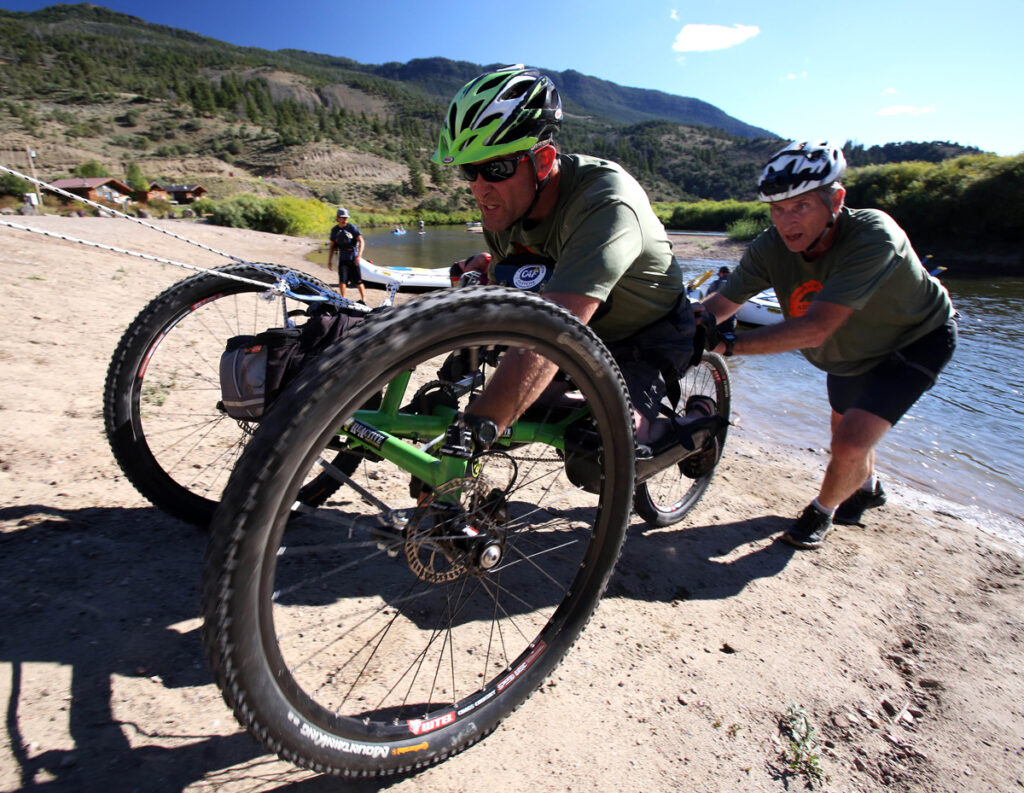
[[483, 122], [497, 79], [469, 119], [516, 89]]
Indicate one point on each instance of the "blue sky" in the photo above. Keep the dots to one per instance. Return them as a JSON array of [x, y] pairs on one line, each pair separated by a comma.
[[874, 71]]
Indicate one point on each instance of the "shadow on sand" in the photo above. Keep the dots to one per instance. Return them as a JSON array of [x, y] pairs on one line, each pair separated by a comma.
[[104, 592]]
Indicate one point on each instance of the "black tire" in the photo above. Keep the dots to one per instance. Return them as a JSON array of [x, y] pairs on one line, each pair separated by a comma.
[[668, 496], [347, 660], [160, 402]]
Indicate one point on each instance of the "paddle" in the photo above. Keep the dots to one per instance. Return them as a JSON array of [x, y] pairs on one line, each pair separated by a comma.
[[695, 282]]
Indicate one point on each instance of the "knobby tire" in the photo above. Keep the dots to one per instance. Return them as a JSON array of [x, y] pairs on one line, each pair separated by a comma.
[[351, 654]]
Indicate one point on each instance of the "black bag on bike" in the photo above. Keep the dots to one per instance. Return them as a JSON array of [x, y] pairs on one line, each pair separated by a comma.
[[255, 369]]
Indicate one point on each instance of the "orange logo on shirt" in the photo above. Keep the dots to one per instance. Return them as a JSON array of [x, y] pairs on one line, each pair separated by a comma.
[[798, 302]]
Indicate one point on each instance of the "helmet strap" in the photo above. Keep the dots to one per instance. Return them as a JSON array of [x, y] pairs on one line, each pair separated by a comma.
[[820, 237], [833, 214], [541, 183]]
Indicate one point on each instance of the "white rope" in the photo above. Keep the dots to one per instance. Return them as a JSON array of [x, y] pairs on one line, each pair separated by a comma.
[[280, 285], [103, 208]]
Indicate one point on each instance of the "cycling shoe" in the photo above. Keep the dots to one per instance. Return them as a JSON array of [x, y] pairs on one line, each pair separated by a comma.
[[693, 437]]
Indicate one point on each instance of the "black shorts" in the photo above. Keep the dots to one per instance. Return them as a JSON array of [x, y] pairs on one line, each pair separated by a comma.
[[891, 388], [665, 345], [349, 273]]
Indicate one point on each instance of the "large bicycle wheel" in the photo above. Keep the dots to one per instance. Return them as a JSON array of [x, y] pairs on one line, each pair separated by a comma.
[[393, 629], [161, 409], [668, 496]]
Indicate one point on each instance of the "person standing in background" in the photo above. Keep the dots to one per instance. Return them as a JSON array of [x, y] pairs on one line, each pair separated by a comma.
[[347, 240]]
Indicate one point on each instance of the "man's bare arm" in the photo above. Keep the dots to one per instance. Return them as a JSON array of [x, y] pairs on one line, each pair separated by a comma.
[[796, 333], [523, 375]]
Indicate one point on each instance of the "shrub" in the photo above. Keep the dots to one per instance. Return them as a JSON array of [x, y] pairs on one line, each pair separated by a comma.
[[159, 206], [715, 215], [287, 215], [90, 169], [12, 185], [297, 216], [744, 229], [970, 200]]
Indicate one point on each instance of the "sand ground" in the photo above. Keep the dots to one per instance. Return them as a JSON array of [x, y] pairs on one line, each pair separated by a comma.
[[901, 641]]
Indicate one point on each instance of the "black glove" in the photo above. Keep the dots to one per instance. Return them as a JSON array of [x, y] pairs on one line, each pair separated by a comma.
[[706, 336]]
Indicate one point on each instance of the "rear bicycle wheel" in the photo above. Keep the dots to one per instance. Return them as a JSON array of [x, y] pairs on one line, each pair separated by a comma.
[[668, 496], [385, 631], [161, 399]]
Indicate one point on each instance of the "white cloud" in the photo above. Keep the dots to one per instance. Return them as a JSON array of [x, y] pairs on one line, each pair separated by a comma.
[[674, 15], [890, 91], [905, 110], [794, 76], [704, 38]]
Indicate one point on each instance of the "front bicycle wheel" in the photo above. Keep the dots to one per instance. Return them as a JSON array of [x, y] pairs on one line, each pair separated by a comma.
[[668, 496], [400, 623], [161, 407]]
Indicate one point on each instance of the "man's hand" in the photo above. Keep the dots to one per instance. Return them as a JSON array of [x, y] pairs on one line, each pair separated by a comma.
[[477, 263]]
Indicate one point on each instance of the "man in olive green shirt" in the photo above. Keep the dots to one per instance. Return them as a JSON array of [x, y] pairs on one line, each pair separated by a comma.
[[857, 303], [584, 235]]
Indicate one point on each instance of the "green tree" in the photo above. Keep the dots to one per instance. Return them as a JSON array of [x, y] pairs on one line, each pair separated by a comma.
[[90, 169], [416, 186], [134, 177]]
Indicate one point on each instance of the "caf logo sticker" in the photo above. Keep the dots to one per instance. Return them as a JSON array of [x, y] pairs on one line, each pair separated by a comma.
[[530, 276]]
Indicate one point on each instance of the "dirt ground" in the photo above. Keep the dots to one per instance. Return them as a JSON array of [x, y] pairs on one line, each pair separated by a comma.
[[900, 642]]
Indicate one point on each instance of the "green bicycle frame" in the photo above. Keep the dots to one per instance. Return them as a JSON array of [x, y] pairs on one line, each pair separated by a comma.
[[382, 432]]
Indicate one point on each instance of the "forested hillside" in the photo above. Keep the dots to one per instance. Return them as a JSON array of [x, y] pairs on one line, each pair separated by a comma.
[[82, 83]]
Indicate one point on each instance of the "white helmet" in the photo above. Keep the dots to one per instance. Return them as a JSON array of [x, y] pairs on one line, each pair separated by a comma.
[[800, 168]]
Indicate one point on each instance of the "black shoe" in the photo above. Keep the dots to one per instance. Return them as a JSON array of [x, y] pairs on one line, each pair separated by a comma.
[[693, 437], [852, 510], [810, 529], [703, 462]]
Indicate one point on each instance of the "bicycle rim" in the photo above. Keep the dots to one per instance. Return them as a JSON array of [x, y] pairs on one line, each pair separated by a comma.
[[164, 423], [668, 496], [387, 644]]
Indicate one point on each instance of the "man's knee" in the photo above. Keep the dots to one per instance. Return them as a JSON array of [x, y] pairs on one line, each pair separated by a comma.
[[847, 452], [856, 434]]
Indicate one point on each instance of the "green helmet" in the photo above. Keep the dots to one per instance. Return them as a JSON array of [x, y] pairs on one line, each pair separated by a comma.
[[500, 112]]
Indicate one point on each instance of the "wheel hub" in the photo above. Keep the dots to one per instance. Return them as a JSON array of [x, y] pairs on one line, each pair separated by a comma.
[[444, 541]]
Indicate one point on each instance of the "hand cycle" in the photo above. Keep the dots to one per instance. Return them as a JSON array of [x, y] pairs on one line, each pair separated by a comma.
[[431, 584], [177, 445]]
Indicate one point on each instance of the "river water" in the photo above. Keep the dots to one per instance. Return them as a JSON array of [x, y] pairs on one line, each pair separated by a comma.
[[963, 442]]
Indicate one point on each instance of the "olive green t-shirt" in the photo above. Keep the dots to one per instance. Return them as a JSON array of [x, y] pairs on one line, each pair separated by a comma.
[[871, 268], [606, 242]]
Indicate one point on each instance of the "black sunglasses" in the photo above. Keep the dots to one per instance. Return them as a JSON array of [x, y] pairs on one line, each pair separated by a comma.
[[494, 170]]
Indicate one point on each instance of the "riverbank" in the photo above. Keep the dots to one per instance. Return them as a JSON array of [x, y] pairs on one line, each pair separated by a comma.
[[899, 641], [705, 246]]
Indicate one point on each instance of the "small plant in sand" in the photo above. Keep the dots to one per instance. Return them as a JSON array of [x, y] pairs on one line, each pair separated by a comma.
[[158, 392], [801, 752]]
